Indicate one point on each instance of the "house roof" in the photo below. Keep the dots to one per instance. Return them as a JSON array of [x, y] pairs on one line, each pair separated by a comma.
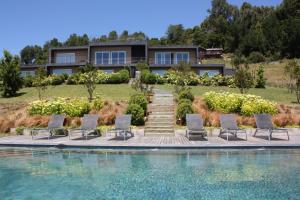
[[119, 43], [173, 47], [69, 48]]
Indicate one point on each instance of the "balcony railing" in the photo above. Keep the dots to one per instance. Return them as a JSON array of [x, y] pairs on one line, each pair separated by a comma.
[[69, 60], [172, 61], [118, 61], [82, 60]]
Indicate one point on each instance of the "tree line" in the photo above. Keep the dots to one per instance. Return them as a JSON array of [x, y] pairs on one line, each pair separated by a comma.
[[271, 31]]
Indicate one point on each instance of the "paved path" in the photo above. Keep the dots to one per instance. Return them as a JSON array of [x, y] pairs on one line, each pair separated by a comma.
[[160, 141], [161, 118]]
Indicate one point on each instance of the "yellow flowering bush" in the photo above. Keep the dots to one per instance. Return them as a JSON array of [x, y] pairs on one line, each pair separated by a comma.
[[244, 104], [70, 107]]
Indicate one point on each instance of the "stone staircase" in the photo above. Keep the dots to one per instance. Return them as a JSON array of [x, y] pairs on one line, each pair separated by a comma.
[[161, 118]]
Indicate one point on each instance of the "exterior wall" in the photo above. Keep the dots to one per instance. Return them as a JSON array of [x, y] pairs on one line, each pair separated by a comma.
[[192, 54], [94, 49], [81, 55]]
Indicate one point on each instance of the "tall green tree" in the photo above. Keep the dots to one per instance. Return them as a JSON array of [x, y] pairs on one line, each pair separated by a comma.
[[10, 79], [243, 78], [33, 55], [124, 35], [113, 35], [77, 40], [89, 79], [175, 34], [39, 82]]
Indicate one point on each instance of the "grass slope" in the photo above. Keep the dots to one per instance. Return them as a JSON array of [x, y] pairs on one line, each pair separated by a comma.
[[279, 95], [108, 92]]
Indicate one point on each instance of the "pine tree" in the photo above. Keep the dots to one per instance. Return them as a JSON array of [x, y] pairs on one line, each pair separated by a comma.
[[260, 81]]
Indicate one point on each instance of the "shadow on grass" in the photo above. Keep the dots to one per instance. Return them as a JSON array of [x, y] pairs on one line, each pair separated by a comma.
[[17, 95]]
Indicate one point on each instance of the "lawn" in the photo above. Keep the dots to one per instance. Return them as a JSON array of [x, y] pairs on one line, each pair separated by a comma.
[[109, 92], [280, 95]]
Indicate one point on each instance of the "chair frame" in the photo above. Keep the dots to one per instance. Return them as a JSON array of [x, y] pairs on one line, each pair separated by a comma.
[[234, 130], [119, 131], [85, 131], [35, 131], [191, 132], [270, 130]]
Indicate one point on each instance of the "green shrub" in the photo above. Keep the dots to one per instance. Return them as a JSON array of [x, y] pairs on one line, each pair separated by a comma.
[[70, 107], [149, 78], [97, 103], [28, 81], [139, 99], [256, 57], [124, 76], [20, 129], [73, 79], [244, 104], [56, 79], [114, 78], [184, 101], [186, 94], [137, 113], [183, 109]]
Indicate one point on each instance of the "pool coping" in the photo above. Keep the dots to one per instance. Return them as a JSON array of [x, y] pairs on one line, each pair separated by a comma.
[[148, 147]]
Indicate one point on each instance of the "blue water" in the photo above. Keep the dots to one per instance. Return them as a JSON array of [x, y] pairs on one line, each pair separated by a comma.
[[162, 174]]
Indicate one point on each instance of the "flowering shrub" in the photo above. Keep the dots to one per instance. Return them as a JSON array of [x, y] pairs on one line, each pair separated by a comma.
[[238, 103], [97, 103], [70, 107]]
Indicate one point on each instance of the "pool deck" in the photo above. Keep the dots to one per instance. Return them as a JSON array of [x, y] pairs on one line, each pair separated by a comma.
[[279, 140]]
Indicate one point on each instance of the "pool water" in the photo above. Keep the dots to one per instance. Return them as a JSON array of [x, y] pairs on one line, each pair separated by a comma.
[[149, 174]]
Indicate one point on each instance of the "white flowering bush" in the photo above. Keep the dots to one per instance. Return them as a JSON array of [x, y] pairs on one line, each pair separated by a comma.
[[244, 104], [70, 107]]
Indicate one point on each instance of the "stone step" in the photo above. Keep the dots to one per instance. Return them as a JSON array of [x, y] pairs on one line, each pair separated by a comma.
[[157, 126], [161, 124], [162, 118], [162, 113], [159, 130], [156, 134]]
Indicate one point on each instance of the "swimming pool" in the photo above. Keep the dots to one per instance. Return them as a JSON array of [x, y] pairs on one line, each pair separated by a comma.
[[149, 174]]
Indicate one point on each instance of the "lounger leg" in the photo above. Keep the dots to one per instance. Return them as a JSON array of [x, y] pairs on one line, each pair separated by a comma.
[[31, 134], [246, 135], [270, 135], [287, 132], [256, 130], [124, 135], [227, 136]]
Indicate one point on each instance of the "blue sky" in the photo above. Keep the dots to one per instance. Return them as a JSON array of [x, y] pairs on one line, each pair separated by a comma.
[[32, 22]]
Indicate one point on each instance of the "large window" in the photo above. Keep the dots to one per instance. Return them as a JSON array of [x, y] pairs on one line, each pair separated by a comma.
[[181, 56], [63, 58], [107, 57], [163, 58], [102, 58], [118, 57], [62, 71]]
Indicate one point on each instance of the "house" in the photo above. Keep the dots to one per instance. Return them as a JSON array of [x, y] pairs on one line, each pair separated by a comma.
[[112, 56]]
